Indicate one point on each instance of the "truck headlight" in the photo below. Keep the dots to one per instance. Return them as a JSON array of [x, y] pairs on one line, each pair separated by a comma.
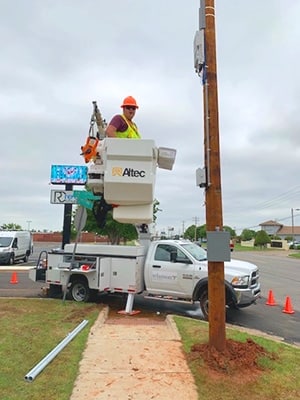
[[240, 281]]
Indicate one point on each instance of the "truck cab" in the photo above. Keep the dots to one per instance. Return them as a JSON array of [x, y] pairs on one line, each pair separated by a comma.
[[179, 269]]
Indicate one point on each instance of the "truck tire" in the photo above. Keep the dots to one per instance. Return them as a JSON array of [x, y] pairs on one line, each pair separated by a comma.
[[11, 259], [80, 291], [25, 259], [203, 300]]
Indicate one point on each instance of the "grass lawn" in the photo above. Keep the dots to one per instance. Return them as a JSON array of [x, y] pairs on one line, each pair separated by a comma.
[[295, 254], [29, 330], [275, 376]]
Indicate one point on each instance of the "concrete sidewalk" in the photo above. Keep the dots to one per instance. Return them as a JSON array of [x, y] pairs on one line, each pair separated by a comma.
[[134, 359]]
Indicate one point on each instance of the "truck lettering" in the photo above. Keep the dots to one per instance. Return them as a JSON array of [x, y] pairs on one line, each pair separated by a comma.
[[164, 276], [187, 276], [134, 173]]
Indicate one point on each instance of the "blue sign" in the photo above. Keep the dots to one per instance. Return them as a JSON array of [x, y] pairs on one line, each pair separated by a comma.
[[73, 174]]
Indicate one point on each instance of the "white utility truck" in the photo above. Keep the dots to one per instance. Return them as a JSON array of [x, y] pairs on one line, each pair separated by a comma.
[[174, 269], [15, 246], [122, 175]]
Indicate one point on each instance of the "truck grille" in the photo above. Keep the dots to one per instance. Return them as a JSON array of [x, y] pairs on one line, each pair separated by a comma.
[[254, 279]]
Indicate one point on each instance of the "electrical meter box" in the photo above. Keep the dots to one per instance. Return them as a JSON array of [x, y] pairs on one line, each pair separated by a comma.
[[218, 246]]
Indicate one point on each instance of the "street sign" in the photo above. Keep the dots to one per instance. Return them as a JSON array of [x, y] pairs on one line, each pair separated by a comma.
[[85, 198], [63, 197]]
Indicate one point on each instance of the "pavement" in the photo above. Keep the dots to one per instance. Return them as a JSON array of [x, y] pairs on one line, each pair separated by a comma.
[[131, 358]]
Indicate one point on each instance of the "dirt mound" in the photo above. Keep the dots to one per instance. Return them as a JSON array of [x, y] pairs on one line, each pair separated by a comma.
[[237, 358]]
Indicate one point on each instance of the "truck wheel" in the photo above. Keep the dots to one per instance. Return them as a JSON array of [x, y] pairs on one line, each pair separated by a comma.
[[204, 304], [11, 260], [79, 291], [25, 259]]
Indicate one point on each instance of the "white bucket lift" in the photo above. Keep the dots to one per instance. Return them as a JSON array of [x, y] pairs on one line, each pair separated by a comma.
[[124, 173]]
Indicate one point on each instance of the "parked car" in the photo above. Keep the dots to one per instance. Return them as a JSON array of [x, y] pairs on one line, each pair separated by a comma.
[[295, 245], [15, 246]]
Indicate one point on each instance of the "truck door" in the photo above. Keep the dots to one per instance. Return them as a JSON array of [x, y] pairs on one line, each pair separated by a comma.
[[38, 274], [171, 272]]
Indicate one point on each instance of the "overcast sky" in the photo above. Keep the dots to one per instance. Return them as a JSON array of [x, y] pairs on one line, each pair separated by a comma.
[[57, 56]]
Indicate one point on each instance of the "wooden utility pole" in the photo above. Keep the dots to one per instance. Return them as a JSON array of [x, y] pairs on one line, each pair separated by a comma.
[[214, 216]]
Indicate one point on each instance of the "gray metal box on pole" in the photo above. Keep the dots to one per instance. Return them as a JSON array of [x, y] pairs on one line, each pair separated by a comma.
[[218, 246]]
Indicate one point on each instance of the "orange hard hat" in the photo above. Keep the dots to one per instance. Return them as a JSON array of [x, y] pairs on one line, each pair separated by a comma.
[[129, 101]]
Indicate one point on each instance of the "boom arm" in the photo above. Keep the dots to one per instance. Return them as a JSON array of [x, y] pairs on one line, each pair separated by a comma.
[[89, 150], [101, 123]]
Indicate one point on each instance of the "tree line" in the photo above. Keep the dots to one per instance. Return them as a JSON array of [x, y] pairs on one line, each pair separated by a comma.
[[261, 238], [117, 232]]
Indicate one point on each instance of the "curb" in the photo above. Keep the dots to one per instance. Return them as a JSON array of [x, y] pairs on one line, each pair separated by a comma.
[[172, 325], [102, 317]]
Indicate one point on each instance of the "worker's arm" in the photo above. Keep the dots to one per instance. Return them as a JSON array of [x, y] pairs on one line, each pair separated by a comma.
[[111, 131]]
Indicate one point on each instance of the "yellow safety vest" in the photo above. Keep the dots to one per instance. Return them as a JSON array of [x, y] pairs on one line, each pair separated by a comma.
[[131, 132]]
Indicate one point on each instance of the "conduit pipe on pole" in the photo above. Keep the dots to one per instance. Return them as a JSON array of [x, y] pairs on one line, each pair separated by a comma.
[[32, 374]]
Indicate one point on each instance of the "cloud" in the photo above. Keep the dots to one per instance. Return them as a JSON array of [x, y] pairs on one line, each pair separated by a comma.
[[59, 56]]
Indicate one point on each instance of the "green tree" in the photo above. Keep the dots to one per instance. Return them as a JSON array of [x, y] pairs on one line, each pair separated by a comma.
[[201, 232], [230, 230], [193, 232], [261, 239], [247, 234], [11, 227], [189, 233], [115, 231]]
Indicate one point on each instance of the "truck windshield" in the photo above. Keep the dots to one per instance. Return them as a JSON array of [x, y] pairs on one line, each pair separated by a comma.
[[5, 241], [196, 251]]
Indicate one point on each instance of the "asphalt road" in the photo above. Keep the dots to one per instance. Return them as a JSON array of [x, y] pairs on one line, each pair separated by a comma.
[[277, 273], [23, 288]]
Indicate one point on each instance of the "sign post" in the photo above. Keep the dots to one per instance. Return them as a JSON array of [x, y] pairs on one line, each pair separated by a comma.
[[67, 220]]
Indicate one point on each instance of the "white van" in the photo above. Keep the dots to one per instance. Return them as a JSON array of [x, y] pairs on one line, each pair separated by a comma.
[[15, 246]]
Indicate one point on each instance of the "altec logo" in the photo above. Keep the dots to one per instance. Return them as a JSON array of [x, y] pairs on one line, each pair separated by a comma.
[[130, 172]]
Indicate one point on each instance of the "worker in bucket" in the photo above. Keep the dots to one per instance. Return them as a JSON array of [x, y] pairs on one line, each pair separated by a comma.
[[122, 126]]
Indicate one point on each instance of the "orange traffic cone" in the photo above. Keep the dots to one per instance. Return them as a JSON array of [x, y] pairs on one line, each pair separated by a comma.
[[14, 278], [271, 301], [288, 308]]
